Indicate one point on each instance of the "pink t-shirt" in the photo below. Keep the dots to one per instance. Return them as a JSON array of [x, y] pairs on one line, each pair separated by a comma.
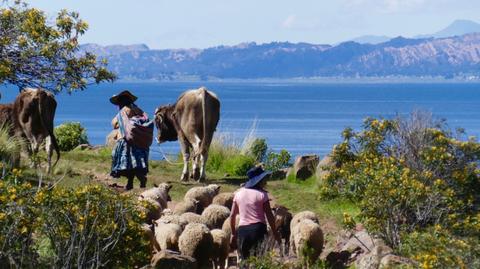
[[250, 205]]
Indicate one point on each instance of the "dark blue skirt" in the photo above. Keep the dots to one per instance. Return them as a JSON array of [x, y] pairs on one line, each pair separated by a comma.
[[127, 159]]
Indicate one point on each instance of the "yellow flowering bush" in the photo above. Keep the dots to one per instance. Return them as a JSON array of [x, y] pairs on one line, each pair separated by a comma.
[[17, 224], [408, 175], [91, 226]]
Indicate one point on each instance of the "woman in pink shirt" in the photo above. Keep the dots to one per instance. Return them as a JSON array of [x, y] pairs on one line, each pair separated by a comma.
[[252, 204]]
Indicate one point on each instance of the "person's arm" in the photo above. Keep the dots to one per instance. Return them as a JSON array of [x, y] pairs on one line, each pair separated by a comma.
[[271, 220], [233, 223]]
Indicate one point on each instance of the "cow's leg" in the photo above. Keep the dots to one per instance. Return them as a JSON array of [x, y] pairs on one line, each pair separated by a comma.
[[186, 156], [49, 150], [203, 163], [196, 159]]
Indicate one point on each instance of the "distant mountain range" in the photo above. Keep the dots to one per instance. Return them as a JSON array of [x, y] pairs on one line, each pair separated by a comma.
[[454, 56], [456, 28]]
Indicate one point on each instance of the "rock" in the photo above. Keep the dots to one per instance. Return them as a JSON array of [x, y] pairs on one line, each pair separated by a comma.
[[322, 170], [83, 147], [304, 166], [280, 174], [112, 138], [361, 240], [394, 261], [372, 260], [170, 259]]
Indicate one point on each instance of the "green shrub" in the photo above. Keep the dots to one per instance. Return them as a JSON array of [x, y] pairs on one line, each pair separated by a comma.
[[277, 161], [438, 248], [69, 135], [258, 149], [91, 226], [238, 165], [408, 175]]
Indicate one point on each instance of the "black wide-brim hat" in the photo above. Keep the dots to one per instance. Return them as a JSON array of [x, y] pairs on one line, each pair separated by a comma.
[[126, 94], [255, 175]]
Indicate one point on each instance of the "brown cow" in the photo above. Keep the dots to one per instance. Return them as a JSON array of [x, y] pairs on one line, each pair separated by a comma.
[[192, 120], [31, 116]]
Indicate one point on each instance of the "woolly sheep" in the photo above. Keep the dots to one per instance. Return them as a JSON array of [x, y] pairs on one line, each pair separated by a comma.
[[190, 217], [188, 205], [221, 248], [215, 215], [203, 194], [196, 241], [167, 235], [158, 193], [224, 198], [172, 219], [150, 236], [303, 215], [226, 225], [307, 234], [152, 209]]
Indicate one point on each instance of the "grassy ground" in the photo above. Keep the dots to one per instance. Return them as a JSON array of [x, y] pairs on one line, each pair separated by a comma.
[[77, 168]]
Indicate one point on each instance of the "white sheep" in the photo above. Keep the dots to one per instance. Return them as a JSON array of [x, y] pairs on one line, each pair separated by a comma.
[[196, 241], [190, 217], [166, 219], [203, 194], [158, 193], [224, 198], [150, 236], [303, 215], [152, 209], [221, 248], [307, 240], [215, 215], [167, 235], [226, 225], [188, 205]]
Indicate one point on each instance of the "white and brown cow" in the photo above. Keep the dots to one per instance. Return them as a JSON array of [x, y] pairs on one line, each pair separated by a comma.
[[31, 117], [192, 120]]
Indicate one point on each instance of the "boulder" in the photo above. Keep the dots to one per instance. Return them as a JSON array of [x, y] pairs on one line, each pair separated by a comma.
[[171, 259], [394, 261], [322, 170], [304, 166], [112, 138], [372, 259], [279, 174]]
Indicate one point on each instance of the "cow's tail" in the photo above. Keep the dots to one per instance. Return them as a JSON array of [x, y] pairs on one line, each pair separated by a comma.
[[49, 127], [204, 119]]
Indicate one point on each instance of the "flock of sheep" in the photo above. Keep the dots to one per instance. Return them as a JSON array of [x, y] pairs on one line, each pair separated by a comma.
[[199, 226]]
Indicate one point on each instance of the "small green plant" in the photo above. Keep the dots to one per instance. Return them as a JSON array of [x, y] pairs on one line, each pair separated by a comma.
[[238, 165], [258, 149], [277, 161], [10, 147], [69, 135]]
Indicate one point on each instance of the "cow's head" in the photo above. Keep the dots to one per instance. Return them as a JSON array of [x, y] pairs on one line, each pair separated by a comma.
[[164, 120]]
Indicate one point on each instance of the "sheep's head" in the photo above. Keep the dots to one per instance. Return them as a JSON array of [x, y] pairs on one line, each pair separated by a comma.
[[164, 188], [215, 188]]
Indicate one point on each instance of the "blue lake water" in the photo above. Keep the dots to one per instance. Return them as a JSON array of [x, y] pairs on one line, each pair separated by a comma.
[[300, 117]]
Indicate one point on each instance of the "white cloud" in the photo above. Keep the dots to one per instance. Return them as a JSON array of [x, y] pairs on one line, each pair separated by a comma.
[[289, 21]]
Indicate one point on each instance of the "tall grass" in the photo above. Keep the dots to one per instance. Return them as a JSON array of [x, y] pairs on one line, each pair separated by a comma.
[[10, 148], [232, 155]]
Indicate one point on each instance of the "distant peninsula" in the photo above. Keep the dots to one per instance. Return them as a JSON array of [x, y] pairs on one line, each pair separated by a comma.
[[455, 57]]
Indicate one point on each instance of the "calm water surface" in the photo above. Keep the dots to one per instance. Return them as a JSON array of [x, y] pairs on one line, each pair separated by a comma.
[[300, 117]]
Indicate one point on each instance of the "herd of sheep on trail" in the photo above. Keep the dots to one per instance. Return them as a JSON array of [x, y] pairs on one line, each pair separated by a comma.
[[199, 226]]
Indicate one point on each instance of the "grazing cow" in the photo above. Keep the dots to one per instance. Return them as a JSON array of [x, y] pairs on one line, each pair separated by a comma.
[[192, 120], [31, 116]]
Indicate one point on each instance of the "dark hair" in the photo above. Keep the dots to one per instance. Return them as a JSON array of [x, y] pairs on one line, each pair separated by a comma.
[[124, 101]]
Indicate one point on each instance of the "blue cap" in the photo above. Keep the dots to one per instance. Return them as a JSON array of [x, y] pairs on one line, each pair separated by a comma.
[[255, 175]]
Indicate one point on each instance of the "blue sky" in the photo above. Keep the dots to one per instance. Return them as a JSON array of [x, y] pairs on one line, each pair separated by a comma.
[[206, 23]]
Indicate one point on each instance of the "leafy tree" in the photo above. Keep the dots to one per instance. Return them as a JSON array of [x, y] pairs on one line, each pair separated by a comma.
[[35, 52]]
